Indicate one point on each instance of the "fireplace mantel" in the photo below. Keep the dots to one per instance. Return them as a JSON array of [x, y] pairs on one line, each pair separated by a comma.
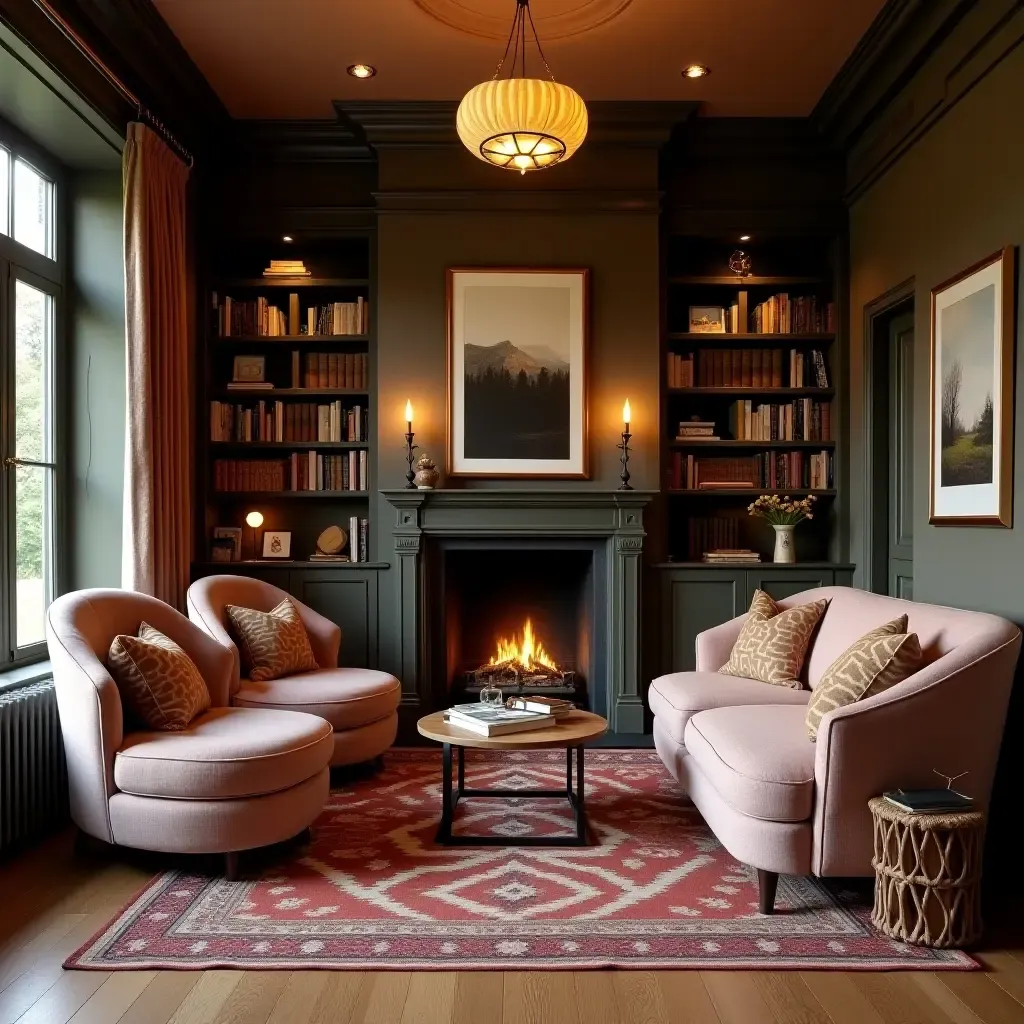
[[615, 517]]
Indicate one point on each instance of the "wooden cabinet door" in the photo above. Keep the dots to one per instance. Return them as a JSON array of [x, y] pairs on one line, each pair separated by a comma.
[[349, 598], [692, 601], [781, 583]]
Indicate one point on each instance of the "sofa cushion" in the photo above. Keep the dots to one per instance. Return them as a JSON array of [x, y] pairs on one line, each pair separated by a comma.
[[880, 659], [225, 753], [675, 698], [271, 644], [757, 758], [773, 643], [158, 682], [346, 697]]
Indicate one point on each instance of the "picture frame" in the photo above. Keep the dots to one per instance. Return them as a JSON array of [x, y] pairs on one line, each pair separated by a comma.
[[233, 534], [518, 346], [707, 320], [222, 550], [972, 342], [249, 370], [277, 544]]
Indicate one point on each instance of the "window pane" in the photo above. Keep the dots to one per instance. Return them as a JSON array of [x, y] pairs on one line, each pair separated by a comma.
[[33, 551], [33, 209], [5, 195], [33, 347]]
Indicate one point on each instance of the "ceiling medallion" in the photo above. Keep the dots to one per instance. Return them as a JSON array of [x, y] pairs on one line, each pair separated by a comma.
[[522, 124], [488, 19]]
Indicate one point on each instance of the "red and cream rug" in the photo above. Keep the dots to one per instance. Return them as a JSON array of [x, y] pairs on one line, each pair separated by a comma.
[[373, 891]]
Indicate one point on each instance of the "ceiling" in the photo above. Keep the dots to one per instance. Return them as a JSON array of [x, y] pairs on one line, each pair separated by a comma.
[[769, 58]]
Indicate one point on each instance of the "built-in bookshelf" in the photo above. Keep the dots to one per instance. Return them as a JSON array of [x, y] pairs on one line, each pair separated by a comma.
[[749, 388], [288, 417]]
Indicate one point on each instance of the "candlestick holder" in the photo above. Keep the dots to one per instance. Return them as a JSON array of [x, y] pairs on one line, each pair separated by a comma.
[[410, 477], [624, 459]]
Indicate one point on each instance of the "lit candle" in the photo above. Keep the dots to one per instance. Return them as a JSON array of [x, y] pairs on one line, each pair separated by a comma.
[[626, 414], [408, 416]]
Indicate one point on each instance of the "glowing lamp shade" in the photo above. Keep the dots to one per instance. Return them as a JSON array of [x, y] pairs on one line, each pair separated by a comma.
[[522, 124], [626, 414], [254, 519]]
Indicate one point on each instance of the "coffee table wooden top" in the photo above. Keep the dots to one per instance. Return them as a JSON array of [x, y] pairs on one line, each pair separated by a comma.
[[572, 731]]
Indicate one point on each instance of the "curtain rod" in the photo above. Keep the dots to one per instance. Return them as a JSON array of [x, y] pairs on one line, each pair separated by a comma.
[[143, 111]]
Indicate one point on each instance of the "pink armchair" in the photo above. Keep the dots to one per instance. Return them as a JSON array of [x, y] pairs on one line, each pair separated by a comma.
[[785, 805], [234, 779], [360, 704]]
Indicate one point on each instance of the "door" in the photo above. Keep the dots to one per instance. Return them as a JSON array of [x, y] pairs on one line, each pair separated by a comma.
[[900, 567]]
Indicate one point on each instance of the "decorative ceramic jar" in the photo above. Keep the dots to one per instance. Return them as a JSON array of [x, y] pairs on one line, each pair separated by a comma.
[[426, 473]]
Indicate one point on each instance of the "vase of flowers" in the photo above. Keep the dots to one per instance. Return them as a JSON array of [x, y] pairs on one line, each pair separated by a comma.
[[784, 515]]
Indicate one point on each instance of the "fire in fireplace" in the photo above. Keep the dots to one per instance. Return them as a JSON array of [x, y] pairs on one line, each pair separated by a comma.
[[521, 661]]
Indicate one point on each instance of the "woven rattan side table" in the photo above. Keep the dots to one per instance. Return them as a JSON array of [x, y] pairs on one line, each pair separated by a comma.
[[927, 876]]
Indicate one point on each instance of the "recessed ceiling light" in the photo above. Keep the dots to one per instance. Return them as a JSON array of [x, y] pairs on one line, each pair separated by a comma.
[[361, 70], [696, 71], [744, 238], [287, 238]]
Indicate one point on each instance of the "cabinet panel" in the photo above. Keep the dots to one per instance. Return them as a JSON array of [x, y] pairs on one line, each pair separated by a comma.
[[349, 599], [782, 583], [693, 601]]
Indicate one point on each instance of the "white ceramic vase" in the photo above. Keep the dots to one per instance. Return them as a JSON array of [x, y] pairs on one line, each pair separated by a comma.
[[785, 545]]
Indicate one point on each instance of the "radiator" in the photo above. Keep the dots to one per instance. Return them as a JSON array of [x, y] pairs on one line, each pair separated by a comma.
[[33, 776]]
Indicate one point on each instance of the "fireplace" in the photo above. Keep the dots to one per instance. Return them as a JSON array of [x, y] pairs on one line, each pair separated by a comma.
[[520, 618]]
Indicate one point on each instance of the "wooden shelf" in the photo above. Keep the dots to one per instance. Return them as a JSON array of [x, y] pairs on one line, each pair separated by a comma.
[[254, 495], [289, 339], [675, 443], [289, 392], [756, 340], [751, 492], [290, 445], [748, 282], [291, 563], [748, 392], [295, 282]]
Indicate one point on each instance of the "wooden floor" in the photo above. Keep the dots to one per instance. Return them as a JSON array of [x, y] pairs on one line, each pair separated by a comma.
[[54, 899]]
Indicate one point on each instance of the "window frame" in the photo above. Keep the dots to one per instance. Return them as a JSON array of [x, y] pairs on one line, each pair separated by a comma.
[[20, 262]]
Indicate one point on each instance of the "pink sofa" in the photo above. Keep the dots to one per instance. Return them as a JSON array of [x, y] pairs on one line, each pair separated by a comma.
[[360, 704], [234, 779], [785, 805]]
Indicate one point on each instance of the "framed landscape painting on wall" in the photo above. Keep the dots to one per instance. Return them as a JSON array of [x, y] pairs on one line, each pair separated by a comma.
[[972, 355], [517, 372]]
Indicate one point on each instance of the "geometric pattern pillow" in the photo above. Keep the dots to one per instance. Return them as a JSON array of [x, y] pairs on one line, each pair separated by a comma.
[[272, 644], [157, 680], [772, 644], [878, 660]]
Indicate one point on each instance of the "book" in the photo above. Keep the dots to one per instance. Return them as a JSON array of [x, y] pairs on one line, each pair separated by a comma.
[[929, 801], [319, 557], [553, 707], [486, 720]]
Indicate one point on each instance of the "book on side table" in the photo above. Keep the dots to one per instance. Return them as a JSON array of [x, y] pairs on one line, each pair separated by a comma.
[[929, 801], [488, 720]]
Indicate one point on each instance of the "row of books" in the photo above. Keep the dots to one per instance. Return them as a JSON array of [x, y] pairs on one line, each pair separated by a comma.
[[746, 368], [332, 370], [358, 540], [302, 471], [282, 422], [704, 533], [731, 556], [798, 314], [241, 317], [520, 714], [802, 419], [767, 470]]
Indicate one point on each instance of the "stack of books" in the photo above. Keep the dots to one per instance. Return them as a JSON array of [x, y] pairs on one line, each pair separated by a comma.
[[697, 430], [488, 720], [553, 707], [286, 268], [731, 556], [929, 801]]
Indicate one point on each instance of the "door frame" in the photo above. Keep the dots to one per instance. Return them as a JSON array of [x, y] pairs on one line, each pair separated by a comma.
[[876, 312]]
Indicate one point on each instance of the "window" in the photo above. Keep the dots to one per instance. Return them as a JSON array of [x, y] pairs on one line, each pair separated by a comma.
[[30, 302]]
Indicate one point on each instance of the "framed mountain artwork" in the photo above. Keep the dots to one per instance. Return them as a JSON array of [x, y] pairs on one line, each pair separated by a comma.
[[972, 352], [517, 372]]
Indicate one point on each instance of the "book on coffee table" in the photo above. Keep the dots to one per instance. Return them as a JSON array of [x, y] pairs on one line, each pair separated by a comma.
[[485, 720], [550, 706]]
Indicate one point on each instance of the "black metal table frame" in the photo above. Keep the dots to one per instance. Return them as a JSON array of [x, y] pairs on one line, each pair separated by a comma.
[[450, 800]]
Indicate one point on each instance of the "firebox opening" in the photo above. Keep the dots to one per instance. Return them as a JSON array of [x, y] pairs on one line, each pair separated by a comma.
[[524, 618]]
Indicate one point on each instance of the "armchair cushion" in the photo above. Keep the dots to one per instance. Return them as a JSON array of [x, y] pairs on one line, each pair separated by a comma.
[[676, 698], [157, 680], [272, 644], [345, 697], [226, 753], [757, 758]]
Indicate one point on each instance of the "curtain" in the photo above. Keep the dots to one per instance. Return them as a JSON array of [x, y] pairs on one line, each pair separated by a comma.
[[157, 541]]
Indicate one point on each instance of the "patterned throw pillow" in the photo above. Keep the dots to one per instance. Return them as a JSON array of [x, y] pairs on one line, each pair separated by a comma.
[[878, 660], [272, 644], [157, 680], [772, 643]]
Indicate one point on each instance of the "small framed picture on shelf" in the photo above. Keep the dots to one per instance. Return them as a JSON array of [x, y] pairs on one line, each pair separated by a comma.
[[232, 537], [707, 320], [222, 550], [277, 544], [249, 369]]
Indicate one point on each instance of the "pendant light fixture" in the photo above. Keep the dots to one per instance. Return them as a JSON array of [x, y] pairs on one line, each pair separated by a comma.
[[519, 123]]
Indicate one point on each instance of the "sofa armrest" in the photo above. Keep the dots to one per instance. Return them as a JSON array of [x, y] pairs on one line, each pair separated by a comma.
[[209, 617], [948, 717], [715, 645], [324, 635]]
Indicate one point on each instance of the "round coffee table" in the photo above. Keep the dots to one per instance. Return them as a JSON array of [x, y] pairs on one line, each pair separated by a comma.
[[571, 732]]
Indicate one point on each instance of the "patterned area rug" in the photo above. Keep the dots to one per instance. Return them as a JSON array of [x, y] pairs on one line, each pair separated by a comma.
[[373, 891]]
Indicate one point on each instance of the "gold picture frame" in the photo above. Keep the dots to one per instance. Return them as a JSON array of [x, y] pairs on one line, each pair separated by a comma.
[[971, 380]]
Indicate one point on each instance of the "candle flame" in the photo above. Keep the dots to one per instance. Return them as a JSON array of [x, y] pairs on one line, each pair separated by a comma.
[[626, 415], [408, 412]]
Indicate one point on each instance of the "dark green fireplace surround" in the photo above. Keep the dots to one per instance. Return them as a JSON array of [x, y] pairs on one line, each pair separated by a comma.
[[609, 523]]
